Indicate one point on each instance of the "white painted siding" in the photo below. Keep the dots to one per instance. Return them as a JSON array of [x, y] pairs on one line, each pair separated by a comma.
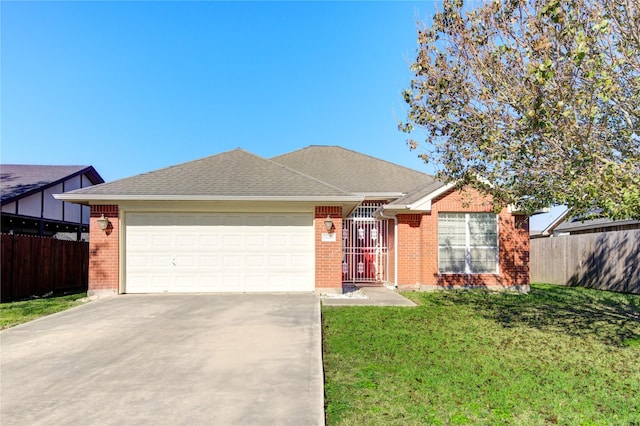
[[9, 208], [72, 212], [53, 207], [31, 205]]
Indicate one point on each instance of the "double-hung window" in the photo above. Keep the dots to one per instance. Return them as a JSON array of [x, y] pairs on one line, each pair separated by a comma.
[[467, 243]]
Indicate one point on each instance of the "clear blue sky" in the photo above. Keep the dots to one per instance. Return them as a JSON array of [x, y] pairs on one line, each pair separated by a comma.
[[130, 87]]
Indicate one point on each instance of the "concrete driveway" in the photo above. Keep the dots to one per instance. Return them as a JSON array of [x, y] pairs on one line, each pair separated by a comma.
[[223, 359]]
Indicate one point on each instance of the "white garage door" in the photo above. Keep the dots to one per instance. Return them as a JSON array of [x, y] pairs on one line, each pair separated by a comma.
[[219, 252]]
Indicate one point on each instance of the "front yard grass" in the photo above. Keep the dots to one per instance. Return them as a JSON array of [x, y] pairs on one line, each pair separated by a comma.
[[14, 313], [558, 355]]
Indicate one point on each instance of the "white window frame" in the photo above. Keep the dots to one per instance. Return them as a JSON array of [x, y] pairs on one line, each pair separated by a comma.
[[468, 247]]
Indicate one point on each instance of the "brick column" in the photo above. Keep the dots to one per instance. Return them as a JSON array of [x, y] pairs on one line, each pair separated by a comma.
[[328, 254], [514, 251], [104, 262], [410, 253]]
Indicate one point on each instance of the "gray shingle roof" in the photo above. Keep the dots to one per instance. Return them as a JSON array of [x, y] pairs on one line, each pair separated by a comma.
[[236, 173], [18, 180], [577, 224], [354, 172]]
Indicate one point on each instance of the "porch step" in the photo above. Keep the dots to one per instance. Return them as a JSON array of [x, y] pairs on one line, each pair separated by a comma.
[[376, 296]]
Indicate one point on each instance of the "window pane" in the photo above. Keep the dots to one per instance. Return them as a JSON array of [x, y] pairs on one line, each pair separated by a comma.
[[451, 229], [483, 228], [451, 260], [483, 260]]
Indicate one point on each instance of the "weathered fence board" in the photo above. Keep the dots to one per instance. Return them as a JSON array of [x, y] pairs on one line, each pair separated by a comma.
[[35, 266], [606, 260]]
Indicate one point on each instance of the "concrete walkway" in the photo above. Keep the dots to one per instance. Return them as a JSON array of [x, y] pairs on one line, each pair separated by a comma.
[[376, 296], [243, 359]]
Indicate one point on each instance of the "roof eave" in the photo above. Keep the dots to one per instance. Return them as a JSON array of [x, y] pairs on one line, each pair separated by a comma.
[[395, 208], [585, 226], [380, 195], [94, 198]]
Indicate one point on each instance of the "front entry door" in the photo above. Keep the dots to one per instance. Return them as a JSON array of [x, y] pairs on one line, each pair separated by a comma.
[[366, 253]]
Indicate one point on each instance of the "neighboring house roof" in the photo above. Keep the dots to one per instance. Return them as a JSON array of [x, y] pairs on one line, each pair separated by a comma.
[[21, 180], [555, 223], [567, 224], [355, 172], [232, 175], [577, 224]]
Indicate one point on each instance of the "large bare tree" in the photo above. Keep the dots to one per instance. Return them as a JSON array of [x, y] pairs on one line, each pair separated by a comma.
[[535, 102]]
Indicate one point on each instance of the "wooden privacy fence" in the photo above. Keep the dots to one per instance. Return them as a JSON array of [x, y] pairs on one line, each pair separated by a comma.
[[606, 260], [35, 266]]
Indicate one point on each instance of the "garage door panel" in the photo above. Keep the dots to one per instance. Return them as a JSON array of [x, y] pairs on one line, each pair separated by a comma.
[[230, 241], [209, 240], [255, 261], [185, 284], [163, 220], [191, 252], [254, 282], [184, 261], [137, 262], [233, 220], [154, 283], [210, 220], [208, 261], [301, 241], [230, 281], [161, 241], [293, 221], [138, 220], [257, 242], [277, 261], [256, 220], [277, 241], [301, 260], [187, 241], [231, 262], [158, 261]]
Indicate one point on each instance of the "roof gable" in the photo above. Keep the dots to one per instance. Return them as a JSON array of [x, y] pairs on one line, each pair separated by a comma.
[[20, 180], [229, 175], [354, 172], [420, 199]]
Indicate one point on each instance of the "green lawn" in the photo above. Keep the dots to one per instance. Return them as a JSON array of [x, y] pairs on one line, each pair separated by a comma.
[[558, 355], [14, 313]]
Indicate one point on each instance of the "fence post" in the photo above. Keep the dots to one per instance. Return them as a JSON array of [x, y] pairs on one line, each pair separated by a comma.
[[55, 266], [12, 267]]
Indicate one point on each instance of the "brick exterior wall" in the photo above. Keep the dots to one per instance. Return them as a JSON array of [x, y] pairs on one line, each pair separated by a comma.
[[104, 251], [328, 254], [418, 247], [410, 250]]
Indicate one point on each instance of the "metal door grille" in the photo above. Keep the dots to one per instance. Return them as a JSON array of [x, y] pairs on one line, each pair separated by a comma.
[[366, 253]]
